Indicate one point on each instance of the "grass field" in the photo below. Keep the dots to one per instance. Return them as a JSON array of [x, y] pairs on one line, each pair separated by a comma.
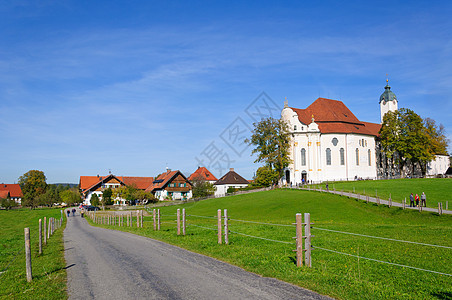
[[337, 275], [436, 189], [49, 275]]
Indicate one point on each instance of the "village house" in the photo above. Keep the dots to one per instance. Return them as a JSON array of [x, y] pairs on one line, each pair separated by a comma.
[[13, 191], [229, 180], [171, 185], [203, 174], [90, 185]]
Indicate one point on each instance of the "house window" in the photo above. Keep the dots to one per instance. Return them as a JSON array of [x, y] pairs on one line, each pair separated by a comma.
[[341, 151], [368, 157], [303, 157], [182, 185], [328, 156], [295, 127], [357, 156]]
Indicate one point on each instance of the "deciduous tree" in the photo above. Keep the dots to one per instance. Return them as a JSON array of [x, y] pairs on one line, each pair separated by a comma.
[[33, 184], [265, 176], [202, 188], [271, 139]]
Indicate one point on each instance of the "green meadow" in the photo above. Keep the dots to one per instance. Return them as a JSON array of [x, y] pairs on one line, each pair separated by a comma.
[[337, 275], [436, 189], [49, 275]]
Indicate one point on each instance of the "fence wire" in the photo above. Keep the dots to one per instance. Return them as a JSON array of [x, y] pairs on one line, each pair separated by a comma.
[[261, 238], [381, 261], [206, 217], [203, 227], [381, 238], [272, 224]]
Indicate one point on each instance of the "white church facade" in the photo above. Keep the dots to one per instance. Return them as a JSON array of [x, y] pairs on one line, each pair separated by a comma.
[[329, 143]]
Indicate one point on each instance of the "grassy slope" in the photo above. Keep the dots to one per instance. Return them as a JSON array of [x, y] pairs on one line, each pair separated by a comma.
[[333, 274], [49, 277], [436, 189]]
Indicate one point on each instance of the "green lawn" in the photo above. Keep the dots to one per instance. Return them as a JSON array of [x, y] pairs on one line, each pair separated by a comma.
[[49, 275], [333, 274], [436, 189]]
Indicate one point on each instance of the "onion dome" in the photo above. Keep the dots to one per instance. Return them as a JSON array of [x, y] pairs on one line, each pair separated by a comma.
[[387, 95]]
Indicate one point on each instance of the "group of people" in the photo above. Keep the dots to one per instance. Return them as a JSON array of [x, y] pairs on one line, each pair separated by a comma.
[[416, 198], [82, 212]]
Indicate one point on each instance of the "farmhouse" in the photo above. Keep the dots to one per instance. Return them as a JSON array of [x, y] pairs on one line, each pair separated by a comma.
[[90, 185], [13, 191], [330, 143], [228, 180], [203, 174], [171, 185]]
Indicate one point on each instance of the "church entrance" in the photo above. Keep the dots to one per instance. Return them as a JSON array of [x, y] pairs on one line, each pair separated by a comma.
[[287, 176], [304, 177]]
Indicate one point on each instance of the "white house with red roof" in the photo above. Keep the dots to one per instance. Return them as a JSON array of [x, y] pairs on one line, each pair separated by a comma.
[[90, 185], [171, 185], [203, 174], [13, 191]]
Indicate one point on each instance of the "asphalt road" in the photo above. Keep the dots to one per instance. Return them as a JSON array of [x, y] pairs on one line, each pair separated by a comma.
[[109, 264]]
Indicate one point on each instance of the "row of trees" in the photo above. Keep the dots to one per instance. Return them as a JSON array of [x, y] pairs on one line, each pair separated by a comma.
[[407, 138], [129, 193]]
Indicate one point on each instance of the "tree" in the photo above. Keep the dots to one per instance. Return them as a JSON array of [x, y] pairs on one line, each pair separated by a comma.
[[70, 196], [202, 188], [271, 139], [145, 197], [33, 184], [95, 200], [7, 203], [106, 197], [265, 176], [405, 137]]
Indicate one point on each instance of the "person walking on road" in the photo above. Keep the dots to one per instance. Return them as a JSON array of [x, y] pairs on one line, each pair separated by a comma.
[[73, 212], [411, 200], [417, 200], [423, 200], [68, 213]]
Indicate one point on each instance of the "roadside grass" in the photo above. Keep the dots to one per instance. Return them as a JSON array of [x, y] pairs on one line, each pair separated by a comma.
[[49, 275], [436, 189], [332, 274]]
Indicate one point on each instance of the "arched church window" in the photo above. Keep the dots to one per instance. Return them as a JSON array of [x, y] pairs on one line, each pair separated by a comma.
[[341, 152], [368, 157], [303, 157], [328, 156], [357, 156]]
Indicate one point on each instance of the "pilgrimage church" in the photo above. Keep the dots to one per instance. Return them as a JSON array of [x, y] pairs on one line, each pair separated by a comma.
[[329, 143]]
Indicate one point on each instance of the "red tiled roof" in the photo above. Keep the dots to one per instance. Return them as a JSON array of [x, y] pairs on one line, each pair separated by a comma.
[[4, 194], [88, 181], [162, 180], [140, 183], [14, 190], [333, 116], [202, 173]]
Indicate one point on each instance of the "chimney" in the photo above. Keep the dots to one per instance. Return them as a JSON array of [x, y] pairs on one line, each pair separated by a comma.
[[168, 170], [97, 175], [231, 170]]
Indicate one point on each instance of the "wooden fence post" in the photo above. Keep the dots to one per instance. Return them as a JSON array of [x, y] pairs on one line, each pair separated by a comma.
[[307, 241], [178, 221], [183, 221], [45, 230], [131, 218], [226, 227], [141, 218], [28, 254], [40, 236], [367, 198], [48, 229], [138, 218], [390, 201], [299, 239], [158, 219], [153, 216], [447, 205], [404, 203], [440, 209], [219, 226]]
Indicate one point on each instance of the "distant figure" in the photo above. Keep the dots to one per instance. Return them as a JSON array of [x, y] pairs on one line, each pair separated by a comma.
[[423, 200], [82, 211], [417, 200], [68, 213], [302, 181], [411, 200], [327, 187], [73, 212]]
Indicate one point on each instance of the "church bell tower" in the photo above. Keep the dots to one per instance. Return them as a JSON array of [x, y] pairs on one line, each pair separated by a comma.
[[388, 101]]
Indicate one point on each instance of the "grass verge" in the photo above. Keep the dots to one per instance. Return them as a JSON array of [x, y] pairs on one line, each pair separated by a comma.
[[337, 275], [49, 275]]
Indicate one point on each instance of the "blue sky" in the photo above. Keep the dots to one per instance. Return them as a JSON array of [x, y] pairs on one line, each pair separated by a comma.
[[138, 86]]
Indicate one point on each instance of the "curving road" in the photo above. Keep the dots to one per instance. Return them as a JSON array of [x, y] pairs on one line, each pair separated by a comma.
[[109, 264]]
